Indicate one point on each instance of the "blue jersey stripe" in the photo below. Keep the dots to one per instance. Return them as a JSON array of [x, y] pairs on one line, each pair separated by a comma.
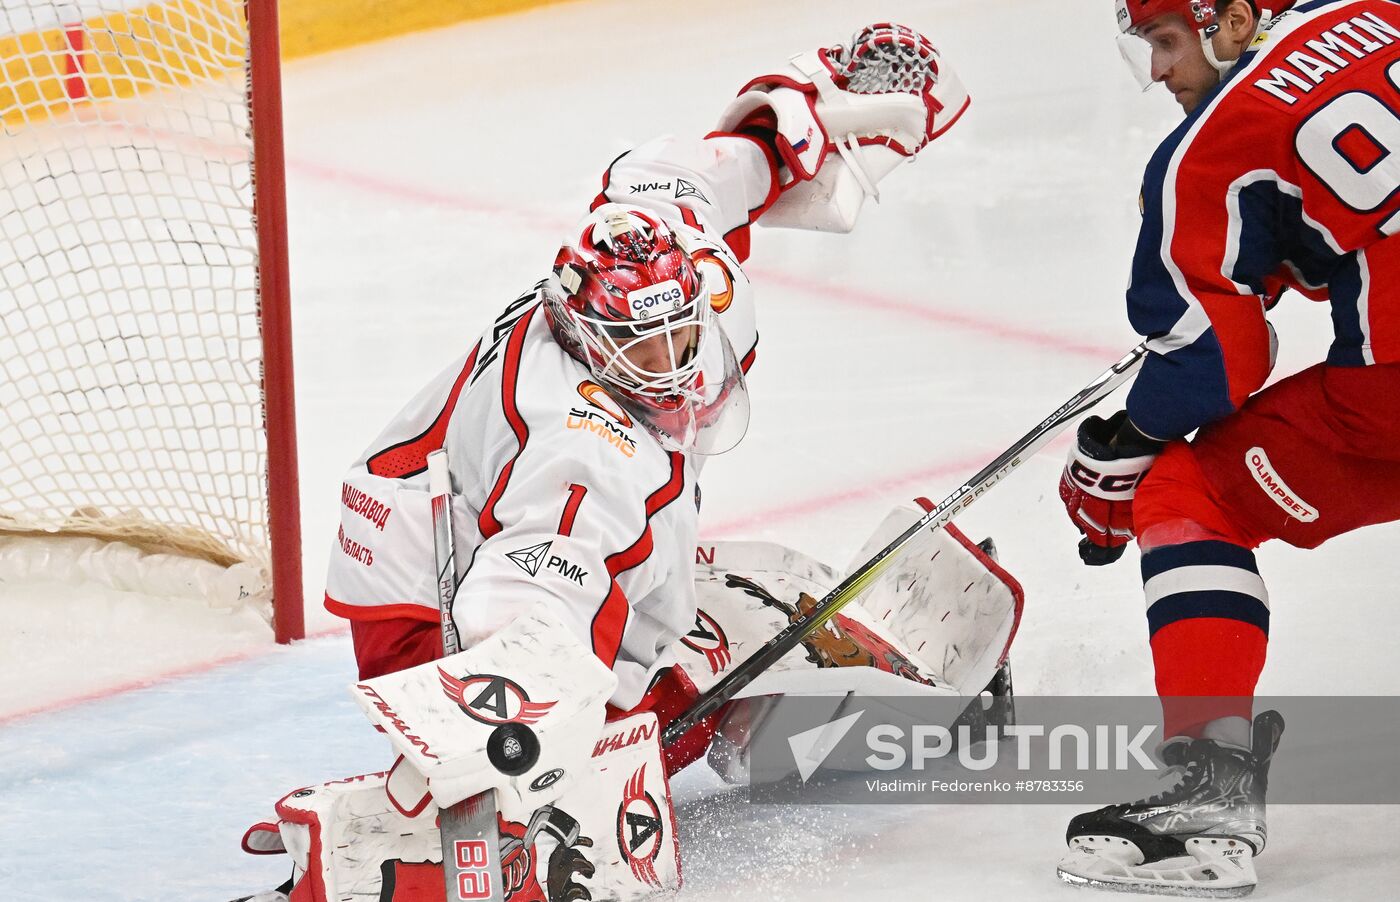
[[1194, 605], [1197, 554]]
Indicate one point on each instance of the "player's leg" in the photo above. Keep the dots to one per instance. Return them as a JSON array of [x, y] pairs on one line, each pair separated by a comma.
[[1208, 622], [1287, 466], [1207, 606], [1312, 457]]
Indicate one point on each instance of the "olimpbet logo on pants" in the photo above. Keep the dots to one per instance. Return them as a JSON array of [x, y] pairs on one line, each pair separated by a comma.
[[1273, 485]]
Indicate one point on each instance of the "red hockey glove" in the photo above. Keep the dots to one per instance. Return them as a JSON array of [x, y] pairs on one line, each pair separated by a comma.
[[1099, 482]]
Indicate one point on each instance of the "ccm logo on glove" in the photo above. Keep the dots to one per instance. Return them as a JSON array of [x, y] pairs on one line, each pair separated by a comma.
[[1099, 481], [1108, 484]]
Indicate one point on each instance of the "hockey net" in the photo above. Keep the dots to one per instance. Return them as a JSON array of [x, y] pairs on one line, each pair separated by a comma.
[[145, 377]]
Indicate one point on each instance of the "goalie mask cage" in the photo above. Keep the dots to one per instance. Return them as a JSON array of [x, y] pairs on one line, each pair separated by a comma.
[[145, 350]]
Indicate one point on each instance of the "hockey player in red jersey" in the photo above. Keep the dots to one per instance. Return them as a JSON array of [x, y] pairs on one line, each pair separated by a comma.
[[1284, 174]]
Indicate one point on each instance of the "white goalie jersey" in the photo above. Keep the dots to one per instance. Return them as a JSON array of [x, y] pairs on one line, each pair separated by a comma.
[[559, 496]]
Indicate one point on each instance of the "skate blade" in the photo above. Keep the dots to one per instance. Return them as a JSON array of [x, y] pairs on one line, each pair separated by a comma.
[[1219, 867]]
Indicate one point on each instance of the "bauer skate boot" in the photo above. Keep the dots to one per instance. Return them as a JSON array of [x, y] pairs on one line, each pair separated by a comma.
[[1198, 838]]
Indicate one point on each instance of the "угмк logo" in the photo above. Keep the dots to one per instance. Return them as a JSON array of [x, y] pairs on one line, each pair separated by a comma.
[[598, 397]]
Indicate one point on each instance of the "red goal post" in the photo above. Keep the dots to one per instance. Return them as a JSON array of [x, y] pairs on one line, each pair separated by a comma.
[[146, 388]]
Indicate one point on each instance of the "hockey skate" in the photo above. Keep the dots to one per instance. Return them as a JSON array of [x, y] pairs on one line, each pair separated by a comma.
[[1198, 838]]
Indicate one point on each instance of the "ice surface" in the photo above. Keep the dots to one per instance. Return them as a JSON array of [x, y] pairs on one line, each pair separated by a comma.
[[430, 179]]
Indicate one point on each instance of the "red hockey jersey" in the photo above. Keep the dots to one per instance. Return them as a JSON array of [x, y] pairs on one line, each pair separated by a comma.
[[1289, 173]]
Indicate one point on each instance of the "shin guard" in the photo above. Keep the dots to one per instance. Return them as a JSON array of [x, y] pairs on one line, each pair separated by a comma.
[[1208, 617]]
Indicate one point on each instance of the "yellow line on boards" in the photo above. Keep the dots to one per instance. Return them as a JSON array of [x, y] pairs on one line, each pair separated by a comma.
[[315, 26], [174, 42], [119, 54]]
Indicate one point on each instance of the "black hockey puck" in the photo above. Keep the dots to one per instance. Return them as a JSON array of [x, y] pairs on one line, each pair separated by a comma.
[[513, 749]]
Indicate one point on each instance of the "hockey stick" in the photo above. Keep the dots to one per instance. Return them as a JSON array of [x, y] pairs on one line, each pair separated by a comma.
[[471, 843], [792, 635]]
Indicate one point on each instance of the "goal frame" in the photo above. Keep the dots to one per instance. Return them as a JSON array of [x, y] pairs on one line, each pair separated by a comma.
[[264, 98]]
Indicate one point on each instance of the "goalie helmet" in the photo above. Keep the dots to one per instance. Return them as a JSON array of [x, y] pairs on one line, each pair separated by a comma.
[[627, 301]]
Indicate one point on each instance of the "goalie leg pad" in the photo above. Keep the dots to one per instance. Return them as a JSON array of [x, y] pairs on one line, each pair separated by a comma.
[[947, 597], [346, 838], [940, 621], [939, 625], [748, 591], [671, 693]]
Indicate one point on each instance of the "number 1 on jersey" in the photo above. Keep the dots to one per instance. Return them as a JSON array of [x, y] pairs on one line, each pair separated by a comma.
[[566, 522]]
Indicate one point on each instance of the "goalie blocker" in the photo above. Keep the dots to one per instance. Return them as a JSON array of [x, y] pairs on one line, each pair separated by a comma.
[[594, 813]]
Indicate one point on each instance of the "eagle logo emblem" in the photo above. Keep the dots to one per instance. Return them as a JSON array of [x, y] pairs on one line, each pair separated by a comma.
[[491, 699]]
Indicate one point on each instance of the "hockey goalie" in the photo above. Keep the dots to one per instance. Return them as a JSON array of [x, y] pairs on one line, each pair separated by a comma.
[[574, 433]]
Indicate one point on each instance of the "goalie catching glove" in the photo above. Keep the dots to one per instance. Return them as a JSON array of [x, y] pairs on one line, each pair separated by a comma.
[[841, 119], [1100, 480]]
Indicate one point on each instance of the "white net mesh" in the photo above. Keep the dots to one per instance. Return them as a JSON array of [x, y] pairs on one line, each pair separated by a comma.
[[130, 355]]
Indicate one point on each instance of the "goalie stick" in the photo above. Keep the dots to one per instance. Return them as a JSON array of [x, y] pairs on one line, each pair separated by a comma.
[[471, 843], [852, 586]]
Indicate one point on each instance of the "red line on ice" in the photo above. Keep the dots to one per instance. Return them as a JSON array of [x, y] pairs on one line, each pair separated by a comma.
[[431, 197], [909, 480], [906, 481], [155, 679], [865, 299], [843, 294]]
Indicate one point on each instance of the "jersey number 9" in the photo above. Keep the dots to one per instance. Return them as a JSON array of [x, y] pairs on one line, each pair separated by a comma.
[[1352, 145]]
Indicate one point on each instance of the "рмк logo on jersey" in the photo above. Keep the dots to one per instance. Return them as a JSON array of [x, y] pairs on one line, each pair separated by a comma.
[[529, 560], [686, 189], [491, 699]]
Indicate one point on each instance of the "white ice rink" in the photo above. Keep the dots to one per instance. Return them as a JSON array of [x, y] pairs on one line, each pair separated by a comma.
[[430, 180]]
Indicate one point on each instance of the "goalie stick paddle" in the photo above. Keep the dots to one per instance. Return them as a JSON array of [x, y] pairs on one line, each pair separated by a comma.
[[471, 843], [852, 586]]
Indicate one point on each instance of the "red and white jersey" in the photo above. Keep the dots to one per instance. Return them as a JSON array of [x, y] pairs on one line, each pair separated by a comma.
[[1288, 174], [560, 497]]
